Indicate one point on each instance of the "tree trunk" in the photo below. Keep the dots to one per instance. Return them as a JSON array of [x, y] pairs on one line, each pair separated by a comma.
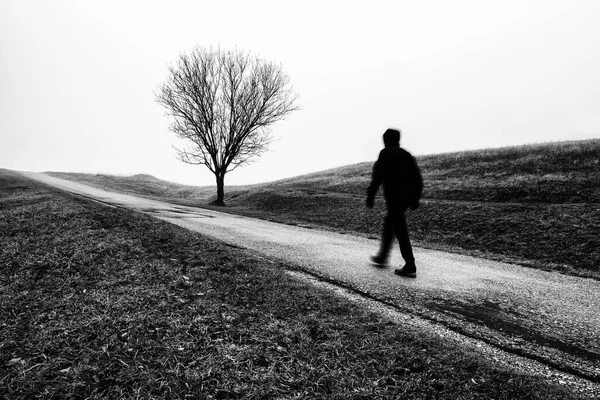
[[220, 189]]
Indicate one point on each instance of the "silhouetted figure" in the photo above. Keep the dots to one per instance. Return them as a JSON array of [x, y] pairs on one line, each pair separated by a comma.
[[397, 170]]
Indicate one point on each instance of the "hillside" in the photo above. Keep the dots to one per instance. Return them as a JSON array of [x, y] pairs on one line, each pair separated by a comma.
[[548, 173], [538, 205], [141, 185]]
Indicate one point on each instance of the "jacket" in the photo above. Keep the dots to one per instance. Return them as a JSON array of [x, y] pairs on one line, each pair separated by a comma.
[[397, 171]]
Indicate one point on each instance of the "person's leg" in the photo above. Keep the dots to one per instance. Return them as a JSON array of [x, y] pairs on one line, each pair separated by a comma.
[[387, 236], [401, 232]]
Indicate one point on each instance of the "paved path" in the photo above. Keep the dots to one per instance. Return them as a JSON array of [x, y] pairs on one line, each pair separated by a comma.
[[543, 315]]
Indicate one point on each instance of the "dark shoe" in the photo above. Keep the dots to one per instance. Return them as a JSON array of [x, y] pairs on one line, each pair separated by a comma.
[[379, 261], [407, 271]]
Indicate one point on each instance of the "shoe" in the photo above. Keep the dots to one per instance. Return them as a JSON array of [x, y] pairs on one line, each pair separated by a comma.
[[407, 271], [379, 261]]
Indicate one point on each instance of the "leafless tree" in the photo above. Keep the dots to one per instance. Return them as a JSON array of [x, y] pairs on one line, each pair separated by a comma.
[[223, 104]]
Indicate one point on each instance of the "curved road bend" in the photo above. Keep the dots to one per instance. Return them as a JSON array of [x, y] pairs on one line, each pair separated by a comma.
[[545, 316]]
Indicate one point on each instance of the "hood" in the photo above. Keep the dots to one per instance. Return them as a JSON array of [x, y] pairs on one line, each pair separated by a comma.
[[391, 138]]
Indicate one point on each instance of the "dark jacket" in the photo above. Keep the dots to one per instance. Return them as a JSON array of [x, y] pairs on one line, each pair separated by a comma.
[[397, 170]]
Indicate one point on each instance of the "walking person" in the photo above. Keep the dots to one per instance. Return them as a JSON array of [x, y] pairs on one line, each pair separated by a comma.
[[397, 171]]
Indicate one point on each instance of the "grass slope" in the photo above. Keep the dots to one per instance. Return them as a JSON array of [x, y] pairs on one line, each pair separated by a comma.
[[98, 302], [563, 172], [537, 205], [140, 184]]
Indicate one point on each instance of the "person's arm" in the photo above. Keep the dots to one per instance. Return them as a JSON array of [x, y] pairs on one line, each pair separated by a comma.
[[417, 185], [376, 179]]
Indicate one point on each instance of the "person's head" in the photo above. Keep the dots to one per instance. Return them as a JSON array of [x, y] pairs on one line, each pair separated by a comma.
[[391, 137]]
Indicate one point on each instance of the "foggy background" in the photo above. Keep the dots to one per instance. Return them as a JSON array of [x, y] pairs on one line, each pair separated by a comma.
[[77, 79]]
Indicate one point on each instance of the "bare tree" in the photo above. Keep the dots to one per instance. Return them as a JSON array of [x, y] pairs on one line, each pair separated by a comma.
[[223, 104]]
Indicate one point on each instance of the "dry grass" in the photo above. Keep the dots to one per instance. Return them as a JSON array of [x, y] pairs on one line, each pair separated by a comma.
[[97, 302]]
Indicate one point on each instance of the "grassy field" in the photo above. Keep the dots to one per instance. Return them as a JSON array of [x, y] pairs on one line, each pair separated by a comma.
[[536, 205], [99, 302]]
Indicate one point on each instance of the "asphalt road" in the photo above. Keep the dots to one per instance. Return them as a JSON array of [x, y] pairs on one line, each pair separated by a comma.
[[545, 316]]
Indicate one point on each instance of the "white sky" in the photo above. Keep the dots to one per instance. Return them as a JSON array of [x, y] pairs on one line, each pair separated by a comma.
[[77, 78]]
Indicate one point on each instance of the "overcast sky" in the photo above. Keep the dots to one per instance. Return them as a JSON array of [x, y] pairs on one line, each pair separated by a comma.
[[77, 78]]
